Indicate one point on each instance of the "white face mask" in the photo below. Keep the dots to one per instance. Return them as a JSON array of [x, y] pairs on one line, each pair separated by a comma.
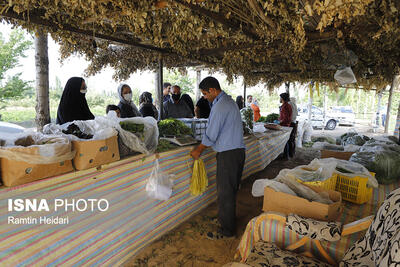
[[128, 97], [83, 91]]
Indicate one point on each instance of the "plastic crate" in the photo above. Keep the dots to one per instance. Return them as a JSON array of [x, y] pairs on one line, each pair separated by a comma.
[[354, 189], [198, 126], [328, 184]]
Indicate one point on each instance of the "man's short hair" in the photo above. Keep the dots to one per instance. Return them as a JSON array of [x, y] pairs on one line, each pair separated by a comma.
[[209, 82], [112, 107], [249, 96], [165, 85], [285, 97]]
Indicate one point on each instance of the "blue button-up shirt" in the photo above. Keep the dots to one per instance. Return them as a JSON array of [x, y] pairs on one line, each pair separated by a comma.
[[225, 129]]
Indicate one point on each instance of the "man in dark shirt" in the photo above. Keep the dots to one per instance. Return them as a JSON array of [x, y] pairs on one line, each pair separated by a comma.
[[166, 91], [176, 107], [203, 108]]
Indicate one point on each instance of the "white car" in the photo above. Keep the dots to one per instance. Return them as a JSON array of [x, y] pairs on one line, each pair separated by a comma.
[[317, 118], [344, 114]]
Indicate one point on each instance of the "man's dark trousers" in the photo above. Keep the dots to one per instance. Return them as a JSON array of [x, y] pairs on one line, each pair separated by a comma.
[[229, 174]]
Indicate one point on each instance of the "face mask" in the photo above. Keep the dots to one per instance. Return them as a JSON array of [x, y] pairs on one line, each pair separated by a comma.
[[176, 97], [83, 91], [128, 97]]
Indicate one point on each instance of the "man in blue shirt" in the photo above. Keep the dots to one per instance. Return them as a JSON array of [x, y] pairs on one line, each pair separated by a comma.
[[225, 135]]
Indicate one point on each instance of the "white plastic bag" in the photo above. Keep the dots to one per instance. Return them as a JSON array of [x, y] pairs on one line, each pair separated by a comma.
[[259, 185], [307, 132], [129, 139], [159, 185], [345, 76], [300, 133], [100, 131], [317, 170]]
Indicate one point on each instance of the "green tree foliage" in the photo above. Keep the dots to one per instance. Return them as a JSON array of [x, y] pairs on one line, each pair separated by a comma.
[[11, 51], [184, 81]]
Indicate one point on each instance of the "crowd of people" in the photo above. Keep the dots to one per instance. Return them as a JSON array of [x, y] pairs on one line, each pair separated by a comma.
[[73, 104]]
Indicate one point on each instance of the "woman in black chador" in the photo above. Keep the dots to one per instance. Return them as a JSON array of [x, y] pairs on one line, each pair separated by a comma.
[[73, 105]]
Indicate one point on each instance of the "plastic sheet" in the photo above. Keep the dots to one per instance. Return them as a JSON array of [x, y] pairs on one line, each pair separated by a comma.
[[300, 133], [383, 158], [48, 149], [351, 169], [159, 186], [345, 76], [304, 191], [259, 185], [317, 170], [308, 130]]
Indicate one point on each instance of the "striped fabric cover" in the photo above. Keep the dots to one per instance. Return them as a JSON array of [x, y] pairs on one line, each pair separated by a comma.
[[396, 129], [273, 231], [132, 220]]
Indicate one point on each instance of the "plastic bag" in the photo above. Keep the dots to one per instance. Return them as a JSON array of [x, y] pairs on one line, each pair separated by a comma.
[[351, 169], [317, 170], [159, 186], [199, 181], [304, 191], [383, 158], [47, 149], [259, 185], [345, 76], [100, 131], [307, 132], [300, 133]]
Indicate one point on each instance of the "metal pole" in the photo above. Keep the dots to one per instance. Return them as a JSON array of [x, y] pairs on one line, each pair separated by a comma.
[[310, 100], [160, 86], [378, 112]]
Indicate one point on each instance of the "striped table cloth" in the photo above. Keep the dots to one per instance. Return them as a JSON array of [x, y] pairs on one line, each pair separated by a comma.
[[275, 232], [131, 221]]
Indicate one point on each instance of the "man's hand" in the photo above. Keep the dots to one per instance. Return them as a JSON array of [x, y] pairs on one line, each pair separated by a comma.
[[196, 153]]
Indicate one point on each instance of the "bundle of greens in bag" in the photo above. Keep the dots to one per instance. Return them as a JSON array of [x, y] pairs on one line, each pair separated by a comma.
[[173, 127], [381, 158], [247, 118], [135, 128]]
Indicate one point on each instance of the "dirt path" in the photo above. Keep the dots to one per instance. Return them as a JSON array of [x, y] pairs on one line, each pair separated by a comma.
[[187, 244]]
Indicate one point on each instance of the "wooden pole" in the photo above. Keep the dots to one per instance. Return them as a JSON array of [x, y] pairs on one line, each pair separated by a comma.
[[287, 87], [373, 108], [244, 93], [160, 86], [310, 101], [42, 81], [198, 80], [325, 108], [397, 127], [389, 104], [378, 109]]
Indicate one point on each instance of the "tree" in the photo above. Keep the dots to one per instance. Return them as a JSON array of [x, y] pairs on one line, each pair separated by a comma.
[[11, 51], [186, 83]]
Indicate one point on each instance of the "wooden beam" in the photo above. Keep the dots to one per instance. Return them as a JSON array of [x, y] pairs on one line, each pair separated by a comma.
[[160, 87], [218, 18], [36, 19]]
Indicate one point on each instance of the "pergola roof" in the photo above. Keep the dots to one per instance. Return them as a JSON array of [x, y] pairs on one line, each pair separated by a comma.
[[264, 41]]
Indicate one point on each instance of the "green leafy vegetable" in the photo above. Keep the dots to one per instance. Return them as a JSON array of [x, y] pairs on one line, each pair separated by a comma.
[[132, 127], [164, 145], [173, 127]]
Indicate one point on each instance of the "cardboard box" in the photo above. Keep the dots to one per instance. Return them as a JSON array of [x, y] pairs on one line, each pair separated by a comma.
[[336, 154], [287, 204], [19, 172], [93, 153]]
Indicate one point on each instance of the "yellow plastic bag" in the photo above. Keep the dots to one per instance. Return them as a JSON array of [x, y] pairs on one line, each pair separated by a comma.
[[199, 181]]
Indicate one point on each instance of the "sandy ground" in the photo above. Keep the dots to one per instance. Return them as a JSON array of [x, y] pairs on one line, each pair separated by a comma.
[[187, 244]]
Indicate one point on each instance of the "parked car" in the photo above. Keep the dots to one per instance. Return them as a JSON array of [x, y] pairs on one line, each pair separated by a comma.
[[344, 114], [318, 120]]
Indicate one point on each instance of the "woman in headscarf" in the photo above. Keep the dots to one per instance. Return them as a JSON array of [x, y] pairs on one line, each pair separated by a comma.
[[128, 108], [240, 102], [146, 106], [73, 105]]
